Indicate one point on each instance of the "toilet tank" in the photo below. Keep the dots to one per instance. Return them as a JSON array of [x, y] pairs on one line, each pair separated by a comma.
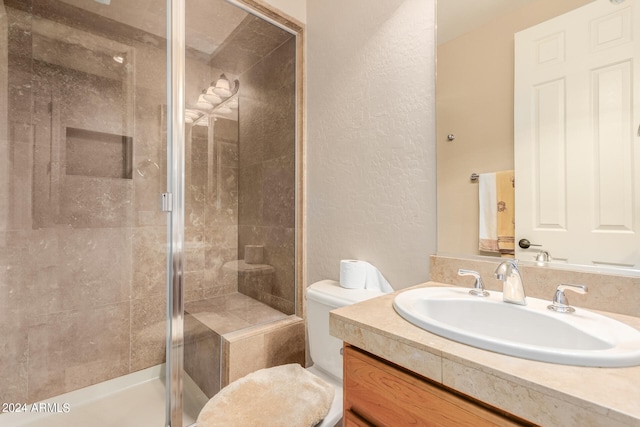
[[322, 297]]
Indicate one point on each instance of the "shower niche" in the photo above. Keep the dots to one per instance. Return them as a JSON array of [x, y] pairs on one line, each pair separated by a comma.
[[98, 154]]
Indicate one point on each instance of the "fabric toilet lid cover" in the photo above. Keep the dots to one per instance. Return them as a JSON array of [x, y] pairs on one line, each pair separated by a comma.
[[282, 396]]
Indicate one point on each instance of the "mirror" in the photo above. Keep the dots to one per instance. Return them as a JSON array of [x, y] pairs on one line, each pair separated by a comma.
[[475, 111]]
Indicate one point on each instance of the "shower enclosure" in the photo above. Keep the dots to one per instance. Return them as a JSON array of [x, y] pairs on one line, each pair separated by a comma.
[[149, 236]]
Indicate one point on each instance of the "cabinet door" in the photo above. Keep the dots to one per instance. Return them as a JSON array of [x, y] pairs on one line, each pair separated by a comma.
[[385, 395], [353, 420]]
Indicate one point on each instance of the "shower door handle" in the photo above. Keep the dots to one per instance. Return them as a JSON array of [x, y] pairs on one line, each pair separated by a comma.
[[166, 202]]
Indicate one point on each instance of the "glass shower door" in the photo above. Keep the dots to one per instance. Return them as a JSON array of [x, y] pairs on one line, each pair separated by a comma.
[[114, 212], [83, 241]]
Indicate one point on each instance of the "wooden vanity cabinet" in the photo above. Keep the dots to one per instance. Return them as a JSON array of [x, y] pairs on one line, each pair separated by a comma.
[[378, 393]]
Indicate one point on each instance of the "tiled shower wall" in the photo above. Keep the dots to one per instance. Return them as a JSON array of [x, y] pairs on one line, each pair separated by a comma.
[[211, 210], [266, 208], [82, 256]]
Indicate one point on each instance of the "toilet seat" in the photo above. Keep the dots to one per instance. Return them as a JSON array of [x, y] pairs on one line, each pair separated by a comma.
[[283, 396]]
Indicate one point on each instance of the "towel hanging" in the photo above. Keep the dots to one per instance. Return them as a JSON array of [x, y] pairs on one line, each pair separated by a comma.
[[496, 215]]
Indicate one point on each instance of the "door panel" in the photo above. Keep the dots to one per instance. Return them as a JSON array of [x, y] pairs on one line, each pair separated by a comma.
[[576, 147]]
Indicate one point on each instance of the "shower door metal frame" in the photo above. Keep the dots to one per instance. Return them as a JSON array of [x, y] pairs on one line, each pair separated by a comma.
[[176, 78]]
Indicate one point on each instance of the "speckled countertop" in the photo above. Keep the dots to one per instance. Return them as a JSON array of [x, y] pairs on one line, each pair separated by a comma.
[[547, 394]]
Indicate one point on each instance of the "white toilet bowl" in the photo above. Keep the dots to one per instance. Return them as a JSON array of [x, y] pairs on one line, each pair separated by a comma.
[[325, 350]]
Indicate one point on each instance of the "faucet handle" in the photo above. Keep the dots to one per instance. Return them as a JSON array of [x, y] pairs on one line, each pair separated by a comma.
[[542, 258], [478, 285], [560, 300]]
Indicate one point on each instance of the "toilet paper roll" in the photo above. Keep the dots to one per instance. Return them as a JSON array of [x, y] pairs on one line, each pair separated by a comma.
[[353, 274], [356, 274], [253, 254]]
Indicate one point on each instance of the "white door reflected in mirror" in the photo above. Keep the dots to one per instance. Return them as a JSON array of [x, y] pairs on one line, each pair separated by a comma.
[[577, 153]]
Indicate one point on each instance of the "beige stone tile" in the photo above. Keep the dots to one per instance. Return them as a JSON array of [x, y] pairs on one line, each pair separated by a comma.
[[199, 146], [149, 140], [522, 401], [222, 206], [279, 125], [21, 173], [416, 359], [244, 356], [147, 189], [541, 282], [222, 322], [251, 132], [222, 236], [229, 153], [21, 295], [215, 260], [94, 267], [251, 197], [264, 346], [227, 131], [149, 261], [257, 313], [220, 285], [285, 345], [78, 348], [14, 352], [148, 331], [202, 355], [96, 202], [278, 192], [195, 248]]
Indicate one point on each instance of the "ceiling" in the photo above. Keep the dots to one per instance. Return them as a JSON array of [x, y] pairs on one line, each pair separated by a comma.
[[457, 17], [208, 22]]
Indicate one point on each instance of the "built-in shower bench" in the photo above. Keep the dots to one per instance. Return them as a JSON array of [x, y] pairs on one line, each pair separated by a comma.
[[231, 335]]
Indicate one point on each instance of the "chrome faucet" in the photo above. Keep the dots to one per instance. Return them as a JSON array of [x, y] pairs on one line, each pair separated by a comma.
[[560, 300], [543, 258], [478, 285], [512, 288]]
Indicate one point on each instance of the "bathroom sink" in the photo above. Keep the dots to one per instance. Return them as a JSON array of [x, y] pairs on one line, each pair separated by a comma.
[[532, 332]]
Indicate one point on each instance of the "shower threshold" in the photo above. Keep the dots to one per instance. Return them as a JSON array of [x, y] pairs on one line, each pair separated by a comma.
[[133, 400]]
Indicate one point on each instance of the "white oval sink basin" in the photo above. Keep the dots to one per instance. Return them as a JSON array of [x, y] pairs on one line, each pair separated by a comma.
[[532, 332]]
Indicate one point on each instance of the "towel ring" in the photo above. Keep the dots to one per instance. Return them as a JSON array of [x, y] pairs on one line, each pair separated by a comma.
[[474, 177]]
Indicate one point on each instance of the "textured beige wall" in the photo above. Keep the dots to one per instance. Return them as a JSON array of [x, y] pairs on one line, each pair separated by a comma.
[[295, 8], [475, 103], [371, 154]]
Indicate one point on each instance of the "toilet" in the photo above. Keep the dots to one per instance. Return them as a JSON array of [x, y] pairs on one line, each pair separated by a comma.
[[326, 350], [226, 408]]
